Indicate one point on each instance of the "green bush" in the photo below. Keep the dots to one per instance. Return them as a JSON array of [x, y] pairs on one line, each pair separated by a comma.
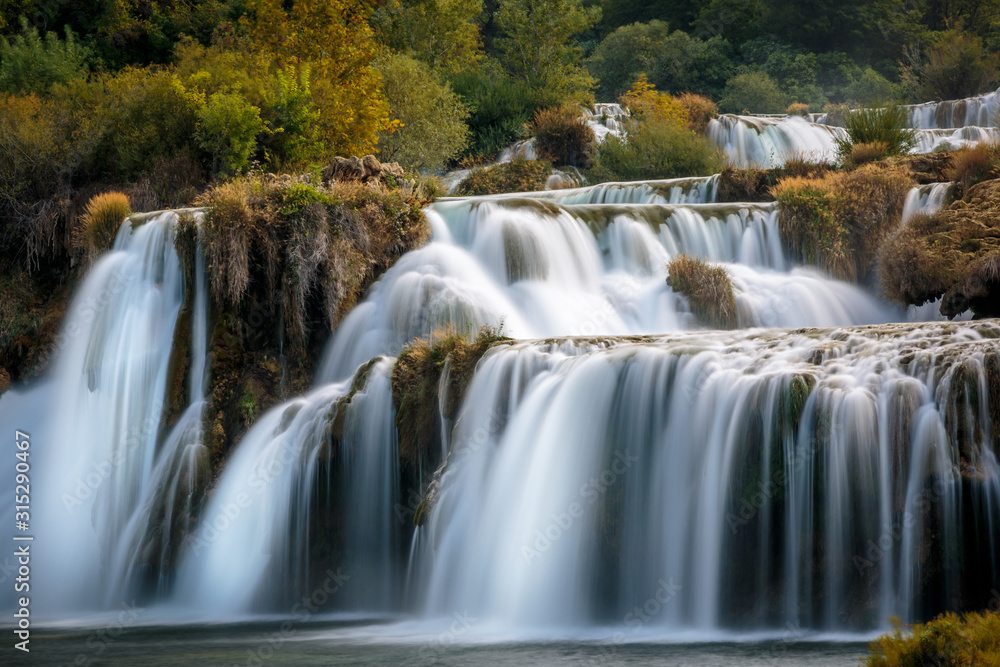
[[562, 136], [871, 89], [499, 110], [433, 129], [30, 63], [228, 126], [887, 124], [514, 176], [653, 149], [947, 641], [752, 92], [956, 66]]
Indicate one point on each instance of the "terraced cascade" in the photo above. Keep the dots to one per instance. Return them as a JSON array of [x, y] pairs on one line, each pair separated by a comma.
[[829, 462]]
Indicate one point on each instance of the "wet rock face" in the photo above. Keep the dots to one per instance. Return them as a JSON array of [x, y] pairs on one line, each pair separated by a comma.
[[364, 169]]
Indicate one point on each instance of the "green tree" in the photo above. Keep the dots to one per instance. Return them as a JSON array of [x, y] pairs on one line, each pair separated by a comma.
[[30, 63], [956, 66], [432, 116], [441, 33], [537, 46], [753, 92], [623, 55], [228, 126]]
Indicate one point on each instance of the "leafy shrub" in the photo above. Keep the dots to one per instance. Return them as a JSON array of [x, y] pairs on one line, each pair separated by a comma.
[[228, 126], [134, 116], [514, 176], [973, 164], [887, 124], [656, 149], [562, 136], [752, 92], [700, 110], [100, 221], [957, 66], [708, 289], [947, 641], [499, 110], [797, 109], [838, 220], [29, 63], [432, 117]]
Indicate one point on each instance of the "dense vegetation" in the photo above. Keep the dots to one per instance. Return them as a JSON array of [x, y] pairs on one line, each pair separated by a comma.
[[947, 641]]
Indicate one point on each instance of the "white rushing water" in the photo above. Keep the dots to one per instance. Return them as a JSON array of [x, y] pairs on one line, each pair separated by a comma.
[[709, 473], [925, 200], [615, 455], [101, 466], [544, 268]]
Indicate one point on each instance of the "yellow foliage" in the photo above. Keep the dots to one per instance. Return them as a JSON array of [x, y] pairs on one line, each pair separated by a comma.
[[335, 38], [646, 103]]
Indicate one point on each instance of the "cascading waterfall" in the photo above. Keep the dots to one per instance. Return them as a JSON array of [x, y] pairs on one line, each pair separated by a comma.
[[546, 269], [786, 478], [109, 381], [761, 142], [925, 200], [824, 478], [769, 141], [979, 111], [328, 456]]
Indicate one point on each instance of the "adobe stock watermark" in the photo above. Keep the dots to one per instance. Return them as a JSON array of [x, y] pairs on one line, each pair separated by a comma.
[[440, 644], [271, 642], [590, 492], [100, 640], [470, 444], [752, 502], [210, 528], [87, 486], [894, 531], [635, 620]]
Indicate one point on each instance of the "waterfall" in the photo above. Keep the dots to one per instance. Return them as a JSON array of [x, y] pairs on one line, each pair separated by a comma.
[[313, 477], [766, 142], [793, 478], [760, 142], [109, 381], [545, 268], [778, 475], [925, 200], [979, 111]]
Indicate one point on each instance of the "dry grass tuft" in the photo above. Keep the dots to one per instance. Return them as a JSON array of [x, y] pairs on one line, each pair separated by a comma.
[[562, 136], [708, 289], [838, 221], [700, 110], [100, 222], [973, 164], [797, 109], [861, 154]]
